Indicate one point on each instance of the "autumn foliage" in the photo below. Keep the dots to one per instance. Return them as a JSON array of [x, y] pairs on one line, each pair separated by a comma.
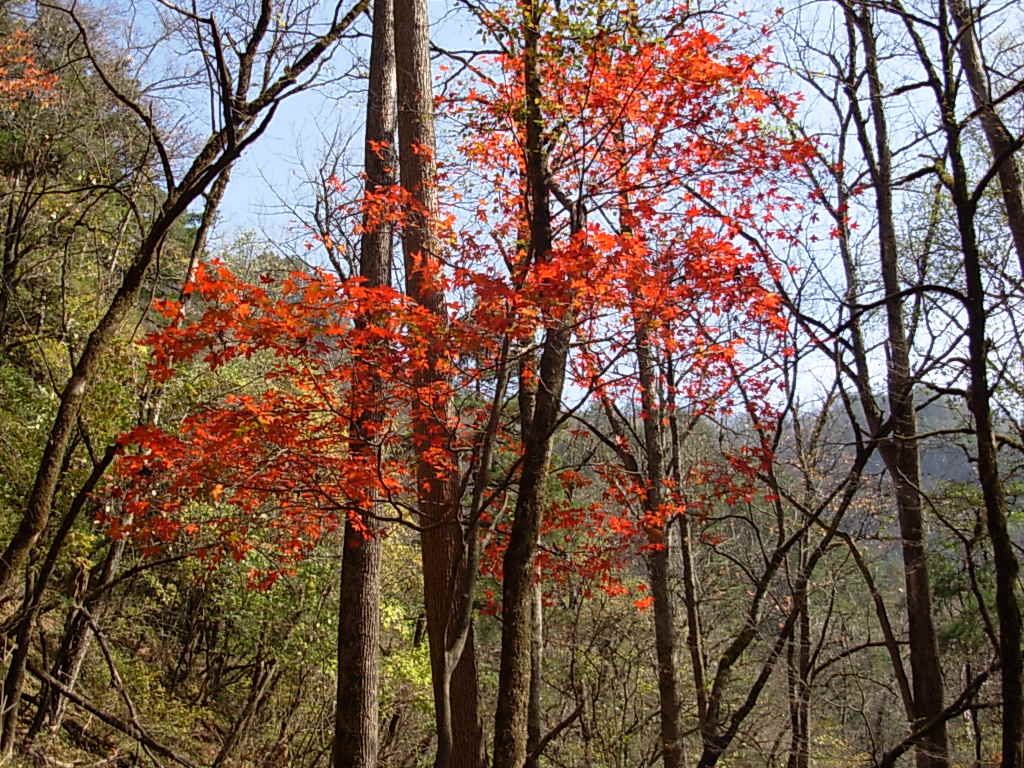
[[663, 149], [276, 456], [21, 78]]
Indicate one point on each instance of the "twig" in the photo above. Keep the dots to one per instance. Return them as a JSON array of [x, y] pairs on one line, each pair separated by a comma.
[[129, 729]]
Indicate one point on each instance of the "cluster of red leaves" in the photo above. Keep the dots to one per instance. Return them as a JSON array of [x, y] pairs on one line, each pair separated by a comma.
[[275, 464], [667, 139], [20, 77]]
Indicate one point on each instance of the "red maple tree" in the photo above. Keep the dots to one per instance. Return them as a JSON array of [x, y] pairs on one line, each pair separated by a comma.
[[21, 78], [668, 133]]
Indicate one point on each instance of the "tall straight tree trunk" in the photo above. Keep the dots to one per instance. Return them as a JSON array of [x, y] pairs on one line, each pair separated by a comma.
[[527, 396], [657, 556], [512, 714], [356, 737], [443, 548], [656, 528], [694, 635], [900, 452], [980, 403], [1006, 564]]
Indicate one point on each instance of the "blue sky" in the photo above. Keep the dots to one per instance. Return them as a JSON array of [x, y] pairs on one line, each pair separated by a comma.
[[272, 170]]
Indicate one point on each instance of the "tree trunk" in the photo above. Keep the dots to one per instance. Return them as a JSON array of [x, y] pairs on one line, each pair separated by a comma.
[[534, 724], [356, 728], [694, 636], [511, 716], [664, 642], [657, 556], [1000, 142], [799, 671], [443, 547], [900, 452], [980, 403]]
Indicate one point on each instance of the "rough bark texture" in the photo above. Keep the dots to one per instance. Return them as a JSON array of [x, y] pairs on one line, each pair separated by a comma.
[[657, 557], [356, 738], [665, 645], [356, 730], [456, 699], [511, 716]]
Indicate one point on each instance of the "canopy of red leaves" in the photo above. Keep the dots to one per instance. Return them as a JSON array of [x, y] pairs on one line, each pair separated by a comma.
[[20, 77], [665, 140]]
